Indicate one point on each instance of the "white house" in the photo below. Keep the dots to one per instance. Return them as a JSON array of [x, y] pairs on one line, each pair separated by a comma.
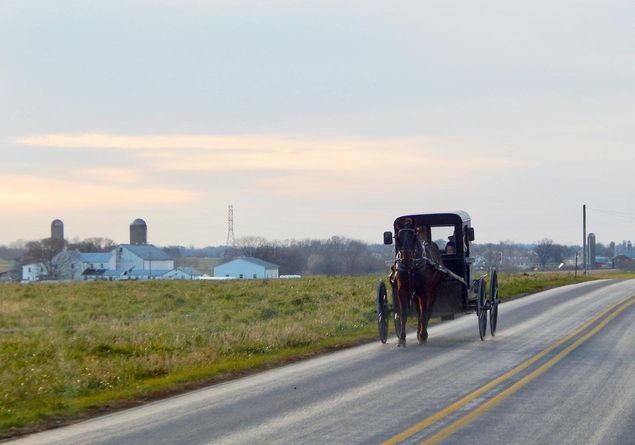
[[76, 265], [33, 272], [246, 267]]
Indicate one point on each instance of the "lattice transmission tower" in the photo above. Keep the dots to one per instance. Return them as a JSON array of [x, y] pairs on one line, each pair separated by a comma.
[[231, 240]]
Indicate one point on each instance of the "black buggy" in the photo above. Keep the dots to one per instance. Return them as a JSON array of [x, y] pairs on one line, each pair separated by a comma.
[[458, 292]]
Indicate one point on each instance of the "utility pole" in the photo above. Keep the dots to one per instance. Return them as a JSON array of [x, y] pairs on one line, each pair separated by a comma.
[[584, 246]]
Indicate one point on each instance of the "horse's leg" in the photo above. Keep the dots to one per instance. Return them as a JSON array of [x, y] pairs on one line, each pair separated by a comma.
[[421, 318], [429, 295], [433, 286], [403, 317], [424, 316]]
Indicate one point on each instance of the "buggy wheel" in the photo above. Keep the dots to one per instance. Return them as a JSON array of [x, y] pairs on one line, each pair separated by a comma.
[[481, 310], [382, 311], [493, 311]]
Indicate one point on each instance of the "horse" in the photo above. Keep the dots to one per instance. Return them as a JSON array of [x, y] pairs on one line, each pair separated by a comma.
[[416, 278]]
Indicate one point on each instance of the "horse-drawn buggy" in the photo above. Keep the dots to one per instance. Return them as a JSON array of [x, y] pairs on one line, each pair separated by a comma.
[[432, 274]]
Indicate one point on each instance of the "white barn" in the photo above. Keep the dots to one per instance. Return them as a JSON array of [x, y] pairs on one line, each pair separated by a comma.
[[142, 257], [246, 267]]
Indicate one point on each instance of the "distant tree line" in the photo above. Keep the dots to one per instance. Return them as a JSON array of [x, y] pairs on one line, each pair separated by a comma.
[[333, 256], [12, 252], [194, 252]]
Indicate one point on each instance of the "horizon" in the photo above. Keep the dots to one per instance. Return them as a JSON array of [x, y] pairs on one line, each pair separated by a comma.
[[75, 239]]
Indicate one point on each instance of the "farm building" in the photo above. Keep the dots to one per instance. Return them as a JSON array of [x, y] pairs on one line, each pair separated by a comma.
[[134, 274], [34, 272], [135, 261], [7, 276], [182, 273], [624, 262], [246, 267], [125, 262], [147, 261], [139, 262], [142, 257], [76, 265]]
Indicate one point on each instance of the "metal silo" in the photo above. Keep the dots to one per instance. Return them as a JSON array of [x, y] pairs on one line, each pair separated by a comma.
[[57, 229], [138, 232], [592, 251]]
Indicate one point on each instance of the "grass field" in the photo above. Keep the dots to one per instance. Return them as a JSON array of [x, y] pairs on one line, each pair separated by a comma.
[[72, 349]]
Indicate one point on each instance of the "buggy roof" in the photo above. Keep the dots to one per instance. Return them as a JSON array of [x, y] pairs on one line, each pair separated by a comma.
[[458, 217]]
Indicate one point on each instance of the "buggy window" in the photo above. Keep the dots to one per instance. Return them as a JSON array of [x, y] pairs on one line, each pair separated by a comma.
[[441, 236]]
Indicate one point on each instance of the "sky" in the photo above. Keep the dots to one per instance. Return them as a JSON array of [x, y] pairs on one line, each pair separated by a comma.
[[316, 118]]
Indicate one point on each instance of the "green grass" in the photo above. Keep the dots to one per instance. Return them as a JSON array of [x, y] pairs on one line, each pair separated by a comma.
[[515, 285], [68, 349]]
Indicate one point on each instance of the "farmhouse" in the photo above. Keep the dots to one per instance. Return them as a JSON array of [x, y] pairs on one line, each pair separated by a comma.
[[246, 267], [76, 265], [34, 272]]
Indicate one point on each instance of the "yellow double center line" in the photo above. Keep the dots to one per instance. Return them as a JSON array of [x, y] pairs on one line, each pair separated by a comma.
[[610, 313]]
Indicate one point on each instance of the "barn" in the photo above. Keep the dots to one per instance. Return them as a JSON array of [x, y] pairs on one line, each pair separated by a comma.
[[246, 267]]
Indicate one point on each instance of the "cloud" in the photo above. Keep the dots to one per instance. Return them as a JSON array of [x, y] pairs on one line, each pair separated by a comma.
[[31, 194], [111, 175], [243, 153], [166, 142]]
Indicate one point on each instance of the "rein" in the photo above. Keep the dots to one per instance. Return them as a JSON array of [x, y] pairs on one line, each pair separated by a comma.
[[412, 257]]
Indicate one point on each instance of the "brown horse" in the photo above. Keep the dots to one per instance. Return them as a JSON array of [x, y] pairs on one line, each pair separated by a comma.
[[415, 278]]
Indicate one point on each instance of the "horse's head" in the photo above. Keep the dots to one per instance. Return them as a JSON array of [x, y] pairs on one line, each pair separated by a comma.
[[408, 245]]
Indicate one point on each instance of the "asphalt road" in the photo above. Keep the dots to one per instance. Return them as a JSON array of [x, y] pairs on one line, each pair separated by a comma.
[[561, 369]]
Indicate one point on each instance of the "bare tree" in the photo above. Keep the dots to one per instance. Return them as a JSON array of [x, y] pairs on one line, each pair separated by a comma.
[[43, 252], [249, 245], [545, 250], [95, 244]]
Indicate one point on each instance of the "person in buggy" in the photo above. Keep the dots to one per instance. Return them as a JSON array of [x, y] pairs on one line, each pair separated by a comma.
[[450, 247]]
